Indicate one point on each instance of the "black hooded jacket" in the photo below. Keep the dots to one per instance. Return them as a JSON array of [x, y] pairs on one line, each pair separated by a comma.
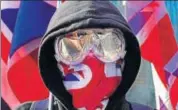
[[73, 15]]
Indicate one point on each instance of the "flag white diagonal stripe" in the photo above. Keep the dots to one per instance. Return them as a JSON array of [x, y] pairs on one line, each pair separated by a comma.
[[6, 31], [23, 51], [10, 4], [160, 90]]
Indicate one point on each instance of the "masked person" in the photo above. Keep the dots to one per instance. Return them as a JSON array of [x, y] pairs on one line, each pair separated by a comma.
[[88, 58]]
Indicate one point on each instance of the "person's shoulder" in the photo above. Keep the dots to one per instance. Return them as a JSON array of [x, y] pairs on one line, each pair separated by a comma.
[[136, 106], [24, 106]]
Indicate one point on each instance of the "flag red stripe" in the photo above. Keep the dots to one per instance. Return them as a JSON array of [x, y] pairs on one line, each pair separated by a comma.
[[5, 48], [173, 93], [6, 92], [24, 79], [156, 48]]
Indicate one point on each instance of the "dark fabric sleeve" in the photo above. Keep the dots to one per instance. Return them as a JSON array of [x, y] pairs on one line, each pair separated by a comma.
[[24, 106], [119, 104]]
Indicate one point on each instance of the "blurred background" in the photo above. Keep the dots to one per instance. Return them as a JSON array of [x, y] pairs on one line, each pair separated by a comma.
[[155, 23]]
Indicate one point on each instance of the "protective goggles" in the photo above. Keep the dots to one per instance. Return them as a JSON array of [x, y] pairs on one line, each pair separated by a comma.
[[108, 45]]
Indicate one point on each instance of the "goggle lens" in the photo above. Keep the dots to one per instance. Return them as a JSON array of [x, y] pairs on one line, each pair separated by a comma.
[[107, 47]]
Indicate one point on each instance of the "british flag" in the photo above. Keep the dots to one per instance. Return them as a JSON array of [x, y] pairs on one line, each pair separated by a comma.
[[23, 23], [151, 23]]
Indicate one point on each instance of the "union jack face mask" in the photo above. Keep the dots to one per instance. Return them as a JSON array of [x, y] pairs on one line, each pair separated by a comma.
[[91, 61]]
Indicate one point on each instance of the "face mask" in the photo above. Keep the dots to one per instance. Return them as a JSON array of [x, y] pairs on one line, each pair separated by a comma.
[[91, 80]]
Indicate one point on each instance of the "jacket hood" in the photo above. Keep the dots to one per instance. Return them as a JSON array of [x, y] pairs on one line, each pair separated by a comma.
[[73, 15]]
